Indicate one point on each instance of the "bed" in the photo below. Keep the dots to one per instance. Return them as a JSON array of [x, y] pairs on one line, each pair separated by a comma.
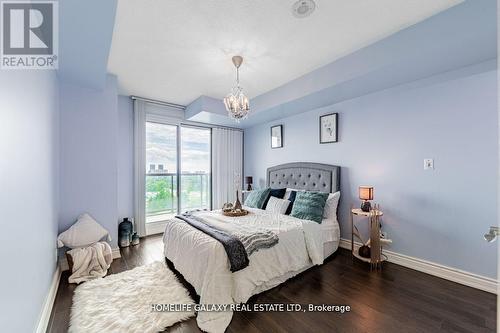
[[203, 262]]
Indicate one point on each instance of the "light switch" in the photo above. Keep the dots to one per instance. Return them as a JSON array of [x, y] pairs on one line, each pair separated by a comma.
[[428, 164]]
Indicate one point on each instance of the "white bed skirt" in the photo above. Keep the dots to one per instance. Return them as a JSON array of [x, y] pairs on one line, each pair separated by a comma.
[[329, 249]]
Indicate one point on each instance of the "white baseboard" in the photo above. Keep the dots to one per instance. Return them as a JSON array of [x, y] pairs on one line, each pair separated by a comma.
[[116, 253], [43, 322], [62, 265], [63, 262], [449, 273], [154, 228]]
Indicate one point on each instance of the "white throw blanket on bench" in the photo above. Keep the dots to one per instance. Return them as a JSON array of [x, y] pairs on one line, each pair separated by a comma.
[[90, 262]]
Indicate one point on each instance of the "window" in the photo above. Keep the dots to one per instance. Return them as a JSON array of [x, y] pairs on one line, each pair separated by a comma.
[[178, 167], [195, 168], [161, 172]]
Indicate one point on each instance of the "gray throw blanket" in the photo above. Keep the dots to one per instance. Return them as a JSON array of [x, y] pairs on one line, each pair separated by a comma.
[[239, 243]]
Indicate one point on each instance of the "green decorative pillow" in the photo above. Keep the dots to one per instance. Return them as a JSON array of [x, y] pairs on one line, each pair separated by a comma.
[[309, 206], [257, 198]]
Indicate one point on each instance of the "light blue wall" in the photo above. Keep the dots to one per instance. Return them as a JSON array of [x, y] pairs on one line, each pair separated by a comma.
[[85, 34], [89, 158], [28, 199], [384, 137]]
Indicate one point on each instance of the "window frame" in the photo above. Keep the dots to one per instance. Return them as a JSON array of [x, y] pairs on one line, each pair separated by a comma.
[[153, 117]]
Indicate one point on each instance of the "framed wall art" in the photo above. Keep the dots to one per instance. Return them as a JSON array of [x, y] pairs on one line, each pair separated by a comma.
[[328, 128], [277, 136]]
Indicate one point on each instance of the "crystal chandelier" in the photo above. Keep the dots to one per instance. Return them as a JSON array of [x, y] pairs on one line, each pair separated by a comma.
[[236, 102]]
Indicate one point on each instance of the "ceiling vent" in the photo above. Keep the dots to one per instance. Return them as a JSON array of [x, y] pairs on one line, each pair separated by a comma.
[[303, 8]]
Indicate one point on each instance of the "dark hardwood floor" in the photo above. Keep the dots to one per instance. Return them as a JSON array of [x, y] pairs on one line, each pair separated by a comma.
[[396, 299]]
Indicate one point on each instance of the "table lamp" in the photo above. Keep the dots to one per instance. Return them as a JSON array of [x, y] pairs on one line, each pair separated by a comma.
[[366, 194], [249, 181]]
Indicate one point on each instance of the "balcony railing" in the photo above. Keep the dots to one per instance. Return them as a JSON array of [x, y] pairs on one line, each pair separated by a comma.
[[161, 193]]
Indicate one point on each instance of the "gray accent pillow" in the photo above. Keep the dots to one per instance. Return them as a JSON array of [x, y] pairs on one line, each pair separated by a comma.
[[309, 206], [257, 198]]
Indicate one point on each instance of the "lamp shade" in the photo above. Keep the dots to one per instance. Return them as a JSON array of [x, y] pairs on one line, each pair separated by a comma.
[[248, 179], [366, 192]]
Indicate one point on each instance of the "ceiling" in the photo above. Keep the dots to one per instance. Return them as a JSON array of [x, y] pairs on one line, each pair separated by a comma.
[[176, 51]]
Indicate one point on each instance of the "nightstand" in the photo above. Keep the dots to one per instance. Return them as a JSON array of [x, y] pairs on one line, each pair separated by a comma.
[[375, 242], [244, 193]]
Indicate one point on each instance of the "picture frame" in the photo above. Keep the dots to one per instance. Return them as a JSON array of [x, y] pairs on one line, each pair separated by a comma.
[[328, 128], [277, 136]]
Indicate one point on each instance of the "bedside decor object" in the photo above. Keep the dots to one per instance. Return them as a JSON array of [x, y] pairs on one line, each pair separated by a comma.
[[366, 194], [371, 250], [328, 128], [237, 203], [249, 182], [277, 136], [135, 239], [492, 234], [237, 186], [235, 213], [233, 210], [364, 251], [227, 206], [125, 230]]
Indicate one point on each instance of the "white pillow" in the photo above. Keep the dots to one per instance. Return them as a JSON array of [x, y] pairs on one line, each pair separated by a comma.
[[277, 206], [86, 231], [331, 205]]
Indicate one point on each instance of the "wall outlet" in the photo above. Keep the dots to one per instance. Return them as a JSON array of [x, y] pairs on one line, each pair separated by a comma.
[[428, 164], [383, 234]]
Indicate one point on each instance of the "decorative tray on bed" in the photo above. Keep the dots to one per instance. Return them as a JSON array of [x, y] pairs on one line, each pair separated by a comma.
[[235, 213]]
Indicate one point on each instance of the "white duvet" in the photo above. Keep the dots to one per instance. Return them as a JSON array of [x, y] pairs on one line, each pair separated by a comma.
[[204, 263]]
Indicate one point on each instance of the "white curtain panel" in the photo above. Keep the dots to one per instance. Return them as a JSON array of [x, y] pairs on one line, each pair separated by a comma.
[[227, 164], [143, 112], [140, 166]]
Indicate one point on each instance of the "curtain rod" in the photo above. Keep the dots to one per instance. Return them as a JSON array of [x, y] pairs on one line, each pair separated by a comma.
[[182, 107], [198, 124], [154, 101]]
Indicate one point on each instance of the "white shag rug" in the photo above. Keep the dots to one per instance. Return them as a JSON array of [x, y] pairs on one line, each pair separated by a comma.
[[123, 302]]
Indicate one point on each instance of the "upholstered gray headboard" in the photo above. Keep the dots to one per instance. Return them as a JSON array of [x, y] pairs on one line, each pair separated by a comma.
[[305, 176]]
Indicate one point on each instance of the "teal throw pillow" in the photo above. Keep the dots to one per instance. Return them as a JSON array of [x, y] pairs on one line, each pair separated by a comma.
[[309, 206], [257, 198]]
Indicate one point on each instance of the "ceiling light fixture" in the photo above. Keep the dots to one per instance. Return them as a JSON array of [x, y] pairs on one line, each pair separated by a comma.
[[236, 102], [303, 8]]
